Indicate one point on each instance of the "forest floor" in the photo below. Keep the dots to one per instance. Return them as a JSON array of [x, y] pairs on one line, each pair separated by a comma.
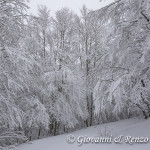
[[131, 127]]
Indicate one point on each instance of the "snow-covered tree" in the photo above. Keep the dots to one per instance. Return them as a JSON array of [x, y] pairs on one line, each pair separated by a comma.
[[122, 86]]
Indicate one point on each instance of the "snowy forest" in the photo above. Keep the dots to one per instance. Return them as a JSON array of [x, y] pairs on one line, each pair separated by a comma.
[[66, 72]]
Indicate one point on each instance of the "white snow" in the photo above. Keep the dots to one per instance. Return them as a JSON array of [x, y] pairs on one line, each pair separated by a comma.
[[134, 127]]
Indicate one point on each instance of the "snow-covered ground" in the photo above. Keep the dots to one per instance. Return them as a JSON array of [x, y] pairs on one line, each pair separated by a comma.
[[133, 127]]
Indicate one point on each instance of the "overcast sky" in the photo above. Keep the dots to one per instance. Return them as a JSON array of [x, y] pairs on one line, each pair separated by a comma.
[[74, 5]]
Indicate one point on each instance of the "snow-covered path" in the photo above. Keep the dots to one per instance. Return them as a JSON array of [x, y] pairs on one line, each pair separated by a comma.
[[133, 127]]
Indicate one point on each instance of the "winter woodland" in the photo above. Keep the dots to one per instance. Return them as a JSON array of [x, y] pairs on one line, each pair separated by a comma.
[[66, 72]]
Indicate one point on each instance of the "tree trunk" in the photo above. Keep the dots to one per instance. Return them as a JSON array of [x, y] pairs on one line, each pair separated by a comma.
[[91, 111], [44, 43], [39, 133], [55, 128]]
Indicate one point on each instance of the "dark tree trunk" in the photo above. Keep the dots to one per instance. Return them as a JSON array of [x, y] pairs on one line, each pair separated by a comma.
[[39, 133], [55, 128], [91, 111]]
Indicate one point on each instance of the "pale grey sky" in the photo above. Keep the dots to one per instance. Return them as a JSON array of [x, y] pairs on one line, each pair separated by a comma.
[[74, 5]]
